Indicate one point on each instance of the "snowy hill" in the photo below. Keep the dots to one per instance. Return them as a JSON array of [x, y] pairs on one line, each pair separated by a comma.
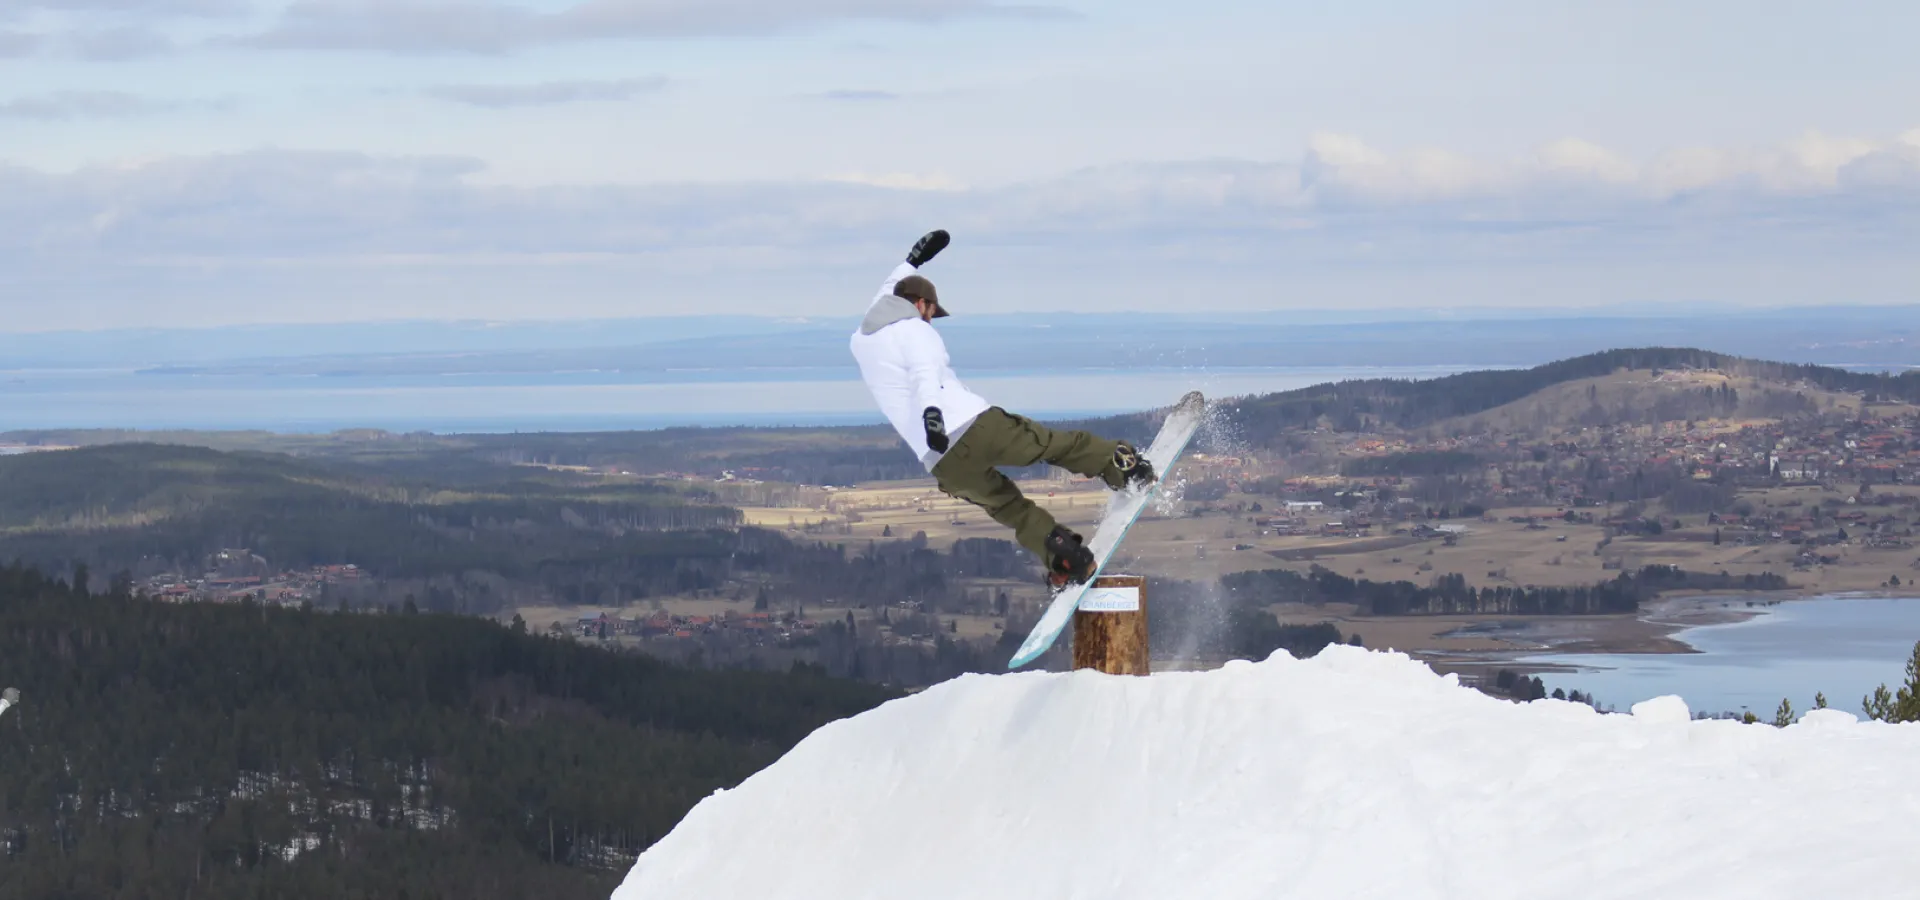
[[1352, 774]]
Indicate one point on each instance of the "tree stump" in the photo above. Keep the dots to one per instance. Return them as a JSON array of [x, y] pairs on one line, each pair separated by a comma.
[[1110, 626]]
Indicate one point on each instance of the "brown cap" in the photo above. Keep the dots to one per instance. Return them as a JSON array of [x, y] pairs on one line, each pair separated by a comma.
[[916, 287]]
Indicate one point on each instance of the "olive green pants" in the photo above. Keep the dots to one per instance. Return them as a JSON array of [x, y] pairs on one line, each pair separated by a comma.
[[998, 438]]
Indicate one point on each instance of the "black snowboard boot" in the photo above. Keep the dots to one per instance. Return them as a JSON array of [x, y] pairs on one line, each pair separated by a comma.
[[1069, 559], [1135, 470]]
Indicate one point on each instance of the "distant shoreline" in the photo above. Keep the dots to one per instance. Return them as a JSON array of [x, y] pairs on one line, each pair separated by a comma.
[[594, 402], [1652, 631], [1487, 641]]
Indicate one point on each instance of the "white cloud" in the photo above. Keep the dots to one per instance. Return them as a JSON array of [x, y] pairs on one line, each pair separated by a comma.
[[125, 42], [500, 96], [1568, 219], [905, 181], [1344, 165], [104, 30], [402, 26], [1345, 169], [15, 44], [1811, 164], [287, 204], [1583, 160], [483, 26], [152, 8], [82, 104], [859, 96], [1896, 165]]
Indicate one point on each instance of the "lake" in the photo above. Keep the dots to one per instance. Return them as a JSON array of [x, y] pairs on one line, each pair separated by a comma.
[[591, 401], [1843, 646]]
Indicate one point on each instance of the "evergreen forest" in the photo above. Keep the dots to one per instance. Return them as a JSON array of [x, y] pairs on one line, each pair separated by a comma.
[[240, 750]]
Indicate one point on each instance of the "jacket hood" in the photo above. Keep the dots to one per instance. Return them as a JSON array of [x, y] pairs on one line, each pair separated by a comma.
[[886, 311]]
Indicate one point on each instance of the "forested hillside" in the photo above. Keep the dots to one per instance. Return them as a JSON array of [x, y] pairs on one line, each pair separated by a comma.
[[472, 536], [825, 455], [1450, 594], [217, 750], [147, 508]]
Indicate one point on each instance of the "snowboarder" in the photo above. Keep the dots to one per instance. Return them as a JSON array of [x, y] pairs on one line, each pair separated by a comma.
[[960, 437]]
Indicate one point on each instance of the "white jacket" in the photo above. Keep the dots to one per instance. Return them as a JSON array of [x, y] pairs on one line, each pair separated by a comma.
[[905, 364]]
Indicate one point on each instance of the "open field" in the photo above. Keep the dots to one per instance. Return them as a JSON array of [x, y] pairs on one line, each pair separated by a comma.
[[1488, 553], [1513, 554], [967, 627], [1179, 544], [899, 509]]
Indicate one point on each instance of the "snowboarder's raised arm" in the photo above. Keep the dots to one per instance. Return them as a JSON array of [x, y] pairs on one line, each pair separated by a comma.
[[900, 271], [924, 250]]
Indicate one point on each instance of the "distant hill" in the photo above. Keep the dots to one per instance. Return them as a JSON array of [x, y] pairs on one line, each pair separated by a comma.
[[129, 484], [154, 508], [807, 455], [1402, 404], [1649, 396]]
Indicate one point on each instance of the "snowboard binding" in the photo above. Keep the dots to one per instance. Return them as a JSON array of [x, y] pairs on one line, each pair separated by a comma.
[[1135, 470], [1069, 559]]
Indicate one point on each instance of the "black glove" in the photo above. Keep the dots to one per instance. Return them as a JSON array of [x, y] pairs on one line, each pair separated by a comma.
[[928, 247], [936, 429]]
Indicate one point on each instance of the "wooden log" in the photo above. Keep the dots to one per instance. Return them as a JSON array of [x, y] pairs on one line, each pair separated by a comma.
[[1110, 626]]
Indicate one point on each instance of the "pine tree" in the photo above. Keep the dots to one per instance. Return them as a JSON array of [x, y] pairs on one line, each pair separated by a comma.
[[1897, 706], [1783, 716]]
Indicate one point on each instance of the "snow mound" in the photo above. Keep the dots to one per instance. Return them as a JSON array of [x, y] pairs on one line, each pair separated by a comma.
[[1352, 774], [1669, 709]]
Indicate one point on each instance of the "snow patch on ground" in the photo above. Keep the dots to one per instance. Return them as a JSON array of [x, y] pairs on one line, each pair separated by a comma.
[[1352, 774], [1663, 710]]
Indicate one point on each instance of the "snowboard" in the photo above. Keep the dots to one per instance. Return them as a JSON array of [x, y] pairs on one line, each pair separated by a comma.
[[1123, 508]]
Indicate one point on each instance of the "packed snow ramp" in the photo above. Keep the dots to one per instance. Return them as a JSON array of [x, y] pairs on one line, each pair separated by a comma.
[[1352, 774]]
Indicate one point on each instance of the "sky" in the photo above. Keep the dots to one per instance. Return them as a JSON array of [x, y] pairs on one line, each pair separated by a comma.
[[219, 162]]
